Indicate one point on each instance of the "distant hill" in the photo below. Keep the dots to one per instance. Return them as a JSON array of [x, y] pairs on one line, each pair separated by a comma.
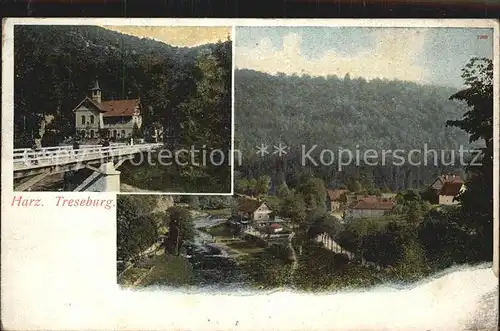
[[338, 112], [56, 65]]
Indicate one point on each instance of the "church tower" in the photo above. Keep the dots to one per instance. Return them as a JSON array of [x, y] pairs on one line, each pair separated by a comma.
[[96, 92]]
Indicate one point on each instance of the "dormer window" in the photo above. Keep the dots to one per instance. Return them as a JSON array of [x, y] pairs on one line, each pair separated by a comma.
[[83, 119]]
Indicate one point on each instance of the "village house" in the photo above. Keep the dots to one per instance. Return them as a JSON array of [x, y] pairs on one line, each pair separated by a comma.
[[254, 218], [254, 210], [118, 116], [446, 188], [336, 199], [370, 207], [449, 191]]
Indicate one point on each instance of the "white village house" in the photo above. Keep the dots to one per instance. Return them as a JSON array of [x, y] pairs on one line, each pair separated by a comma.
[[448, 187], [254, 210], [336, 199], [119, 116], [449, 192]]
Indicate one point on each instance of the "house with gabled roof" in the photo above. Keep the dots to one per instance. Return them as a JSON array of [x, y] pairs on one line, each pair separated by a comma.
[[446, 188], [120, 117], [449, 191], [254, 210], [370, 207]]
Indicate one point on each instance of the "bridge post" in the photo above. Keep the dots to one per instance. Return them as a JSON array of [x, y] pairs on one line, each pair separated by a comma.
[[104, 179], [110, 182]]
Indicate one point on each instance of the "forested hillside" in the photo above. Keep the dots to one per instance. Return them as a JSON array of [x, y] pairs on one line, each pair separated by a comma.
[[56, 65], [336, 113], [333, 112]]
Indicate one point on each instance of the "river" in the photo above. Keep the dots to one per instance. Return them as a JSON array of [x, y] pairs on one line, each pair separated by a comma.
[[212, 265]]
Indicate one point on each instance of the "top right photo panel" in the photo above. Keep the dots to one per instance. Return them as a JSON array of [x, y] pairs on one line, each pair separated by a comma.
[[374, 144]]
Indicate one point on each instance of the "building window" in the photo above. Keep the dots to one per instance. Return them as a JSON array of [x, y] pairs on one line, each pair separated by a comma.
[[91, 119], [83, 119], [114, 133], [91, 133], [123, 133], [83, 133]]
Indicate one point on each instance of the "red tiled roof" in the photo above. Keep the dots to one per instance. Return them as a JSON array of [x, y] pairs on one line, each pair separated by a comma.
[[451, 188], [335, 195], [374, 204], [120, 107]]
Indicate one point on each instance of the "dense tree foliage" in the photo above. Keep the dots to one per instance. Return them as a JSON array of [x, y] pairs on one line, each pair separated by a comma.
[[137, 227], [206, 201], [477, 200], [335, 113], [181, 229]]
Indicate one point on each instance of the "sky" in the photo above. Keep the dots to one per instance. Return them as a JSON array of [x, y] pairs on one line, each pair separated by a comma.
[[426, 56], [179, 36]]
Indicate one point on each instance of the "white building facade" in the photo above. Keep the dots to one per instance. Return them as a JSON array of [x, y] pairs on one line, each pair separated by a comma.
[[120, 117]]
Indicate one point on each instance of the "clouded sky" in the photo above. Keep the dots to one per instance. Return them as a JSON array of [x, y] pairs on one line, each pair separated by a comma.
[[427, 56], [181, 36]]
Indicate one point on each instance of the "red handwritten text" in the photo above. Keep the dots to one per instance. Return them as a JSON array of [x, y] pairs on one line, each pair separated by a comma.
[[19, 201], [85, 202]]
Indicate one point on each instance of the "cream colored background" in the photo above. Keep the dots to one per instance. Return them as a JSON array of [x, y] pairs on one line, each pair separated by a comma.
[[58, 264]]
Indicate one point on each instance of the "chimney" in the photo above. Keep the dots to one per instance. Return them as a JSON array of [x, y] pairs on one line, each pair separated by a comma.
[[96, 92]]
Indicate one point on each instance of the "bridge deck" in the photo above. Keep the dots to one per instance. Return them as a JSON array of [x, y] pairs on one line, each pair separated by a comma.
[[28, 159]]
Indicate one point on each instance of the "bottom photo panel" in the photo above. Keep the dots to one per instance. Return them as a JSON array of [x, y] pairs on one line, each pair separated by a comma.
[[248, 243]]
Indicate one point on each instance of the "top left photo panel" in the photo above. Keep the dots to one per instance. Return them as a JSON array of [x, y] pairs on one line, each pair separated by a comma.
[[121, 108]]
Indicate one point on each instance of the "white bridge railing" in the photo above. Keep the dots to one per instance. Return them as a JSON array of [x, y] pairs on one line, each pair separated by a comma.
[[25, 159], [21, 151]]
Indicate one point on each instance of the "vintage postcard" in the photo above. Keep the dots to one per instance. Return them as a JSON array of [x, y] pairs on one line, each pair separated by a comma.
[[365, 186], [103, 108]]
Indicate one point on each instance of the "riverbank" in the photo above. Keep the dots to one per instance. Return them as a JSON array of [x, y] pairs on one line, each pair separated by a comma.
[[159, 269], [265, 266]]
